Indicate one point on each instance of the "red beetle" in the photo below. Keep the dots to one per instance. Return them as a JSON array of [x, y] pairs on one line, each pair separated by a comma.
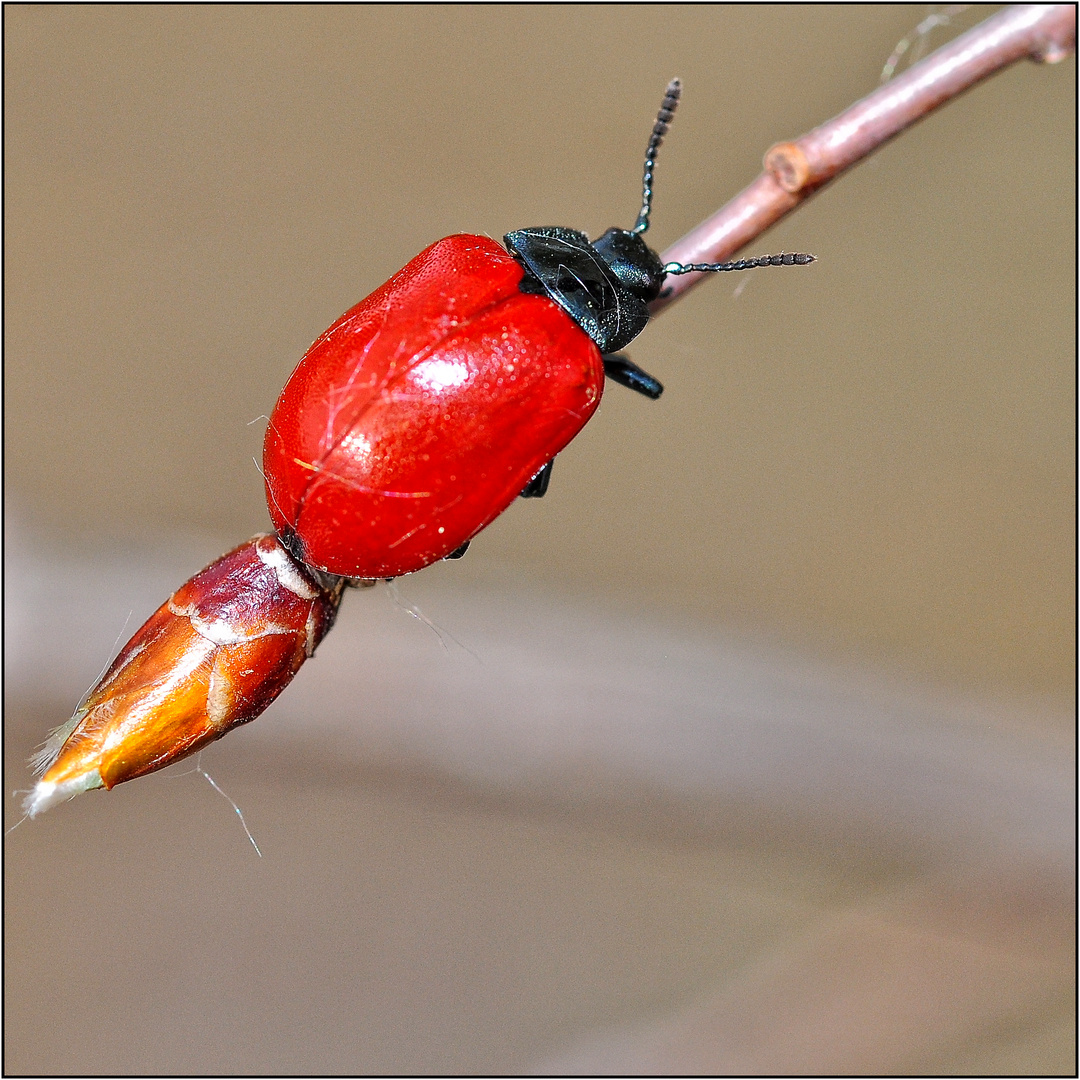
[[420, 415]]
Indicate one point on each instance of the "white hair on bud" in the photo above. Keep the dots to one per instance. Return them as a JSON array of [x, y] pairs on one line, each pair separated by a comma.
[[47, 794]]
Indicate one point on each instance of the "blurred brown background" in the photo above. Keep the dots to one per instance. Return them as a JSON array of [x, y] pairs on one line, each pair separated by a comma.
[[869, 463]]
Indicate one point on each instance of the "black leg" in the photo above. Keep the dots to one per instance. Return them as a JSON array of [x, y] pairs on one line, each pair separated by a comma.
[[458, 552], [537, 487], [621, 369]]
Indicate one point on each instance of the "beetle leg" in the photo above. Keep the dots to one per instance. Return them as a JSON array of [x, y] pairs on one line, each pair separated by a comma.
[[459, 551], [537, 487], [621, 369]]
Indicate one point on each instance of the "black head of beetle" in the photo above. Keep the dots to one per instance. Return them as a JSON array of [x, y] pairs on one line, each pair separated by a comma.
[[606, 286]]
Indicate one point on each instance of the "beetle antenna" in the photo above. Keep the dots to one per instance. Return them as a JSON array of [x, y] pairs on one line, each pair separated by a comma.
[[660, 129], [784, 259]]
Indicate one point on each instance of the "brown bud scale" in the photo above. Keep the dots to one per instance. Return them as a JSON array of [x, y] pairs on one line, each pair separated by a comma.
[[215, 655]]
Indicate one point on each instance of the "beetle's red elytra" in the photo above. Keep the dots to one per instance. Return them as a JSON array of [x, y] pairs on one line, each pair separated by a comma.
[[424, 411]]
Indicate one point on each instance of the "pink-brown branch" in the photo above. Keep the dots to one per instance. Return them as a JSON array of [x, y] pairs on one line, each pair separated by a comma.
[[795, 170]]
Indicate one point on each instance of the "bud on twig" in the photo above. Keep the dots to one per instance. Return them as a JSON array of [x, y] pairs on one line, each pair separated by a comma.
[[214, 656]]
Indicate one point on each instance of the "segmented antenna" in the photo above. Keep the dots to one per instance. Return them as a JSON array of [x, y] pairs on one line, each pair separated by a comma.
[[660, 129], [785, 259]]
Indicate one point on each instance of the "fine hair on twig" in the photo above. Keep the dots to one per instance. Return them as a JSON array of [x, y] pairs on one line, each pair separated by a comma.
[[919, 37]]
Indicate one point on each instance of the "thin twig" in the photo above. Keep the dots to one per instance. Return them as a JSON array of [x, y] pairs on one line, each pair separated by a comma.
[[796, 170]]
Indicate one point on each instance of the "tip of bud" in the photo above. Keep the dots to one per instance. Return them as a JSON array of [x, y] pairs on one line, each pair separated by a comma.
[[48, 793]]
